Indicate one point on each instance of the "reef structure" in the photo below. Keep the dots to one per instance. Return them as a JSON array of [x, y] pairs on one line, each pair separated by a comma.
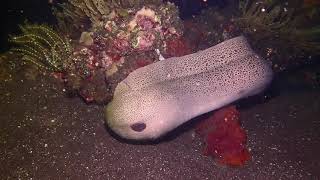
[[97, 43]]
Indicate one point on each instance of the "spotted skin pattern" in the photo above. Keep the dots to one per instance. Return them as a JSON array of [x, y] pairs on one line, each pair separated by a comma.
[[157, 98]]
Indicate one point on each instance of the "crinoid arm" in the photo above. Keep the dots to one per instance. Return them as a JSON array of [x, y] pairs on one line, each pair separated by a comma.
[[285, 21], [43, 47]]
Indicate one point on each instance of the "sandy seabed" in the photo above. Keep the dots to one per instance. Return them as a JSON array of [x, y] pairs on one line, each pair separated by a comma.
[[44, 135]]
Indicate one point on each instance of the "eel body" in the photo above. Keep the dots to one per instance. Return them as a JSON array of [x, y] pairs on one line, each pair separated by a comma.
[[157, 98]]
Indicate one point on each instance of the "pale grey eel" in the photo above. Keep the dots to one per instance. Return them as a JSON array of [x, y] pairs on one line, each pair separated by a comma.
[[157, 98]]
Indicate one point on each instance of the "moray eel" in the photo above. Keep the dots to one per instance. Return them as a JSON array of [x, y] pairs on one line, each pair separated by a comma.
[[157, 98]]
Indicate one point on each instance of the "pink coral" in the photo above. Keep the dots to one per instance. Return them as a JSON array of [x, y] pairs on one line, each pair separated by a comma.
[[145, 22], [145, 40], [224, 137], [120, 44]]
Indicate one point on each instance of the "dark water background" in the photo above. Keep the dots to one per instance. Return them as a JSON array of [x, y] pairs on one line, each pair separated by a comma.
[[15, 12]]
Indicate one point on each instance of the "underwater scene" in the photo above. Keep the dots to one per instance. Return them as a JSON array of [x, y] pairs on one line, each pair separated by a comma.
[[160, 89]]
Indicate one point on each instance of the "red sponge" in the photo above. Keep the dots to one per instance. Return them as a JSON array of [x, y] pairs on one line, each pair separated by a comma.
[[224, 137]]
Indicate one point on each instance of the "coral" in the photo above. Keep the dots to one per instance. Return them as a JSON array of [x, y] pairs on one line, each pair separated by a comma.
[[215, 26], [123, 33], [144, 41], [288, 22], [177, 47], [104, 35], [94, 90], [42, 46], [224, 138], [94, 13], [264, 15], [81, 13], [282, 25]]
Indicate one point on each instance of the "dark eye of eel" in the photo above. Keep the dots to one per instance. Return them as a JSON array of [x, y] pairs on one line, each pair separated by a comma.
[[138, 127]]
